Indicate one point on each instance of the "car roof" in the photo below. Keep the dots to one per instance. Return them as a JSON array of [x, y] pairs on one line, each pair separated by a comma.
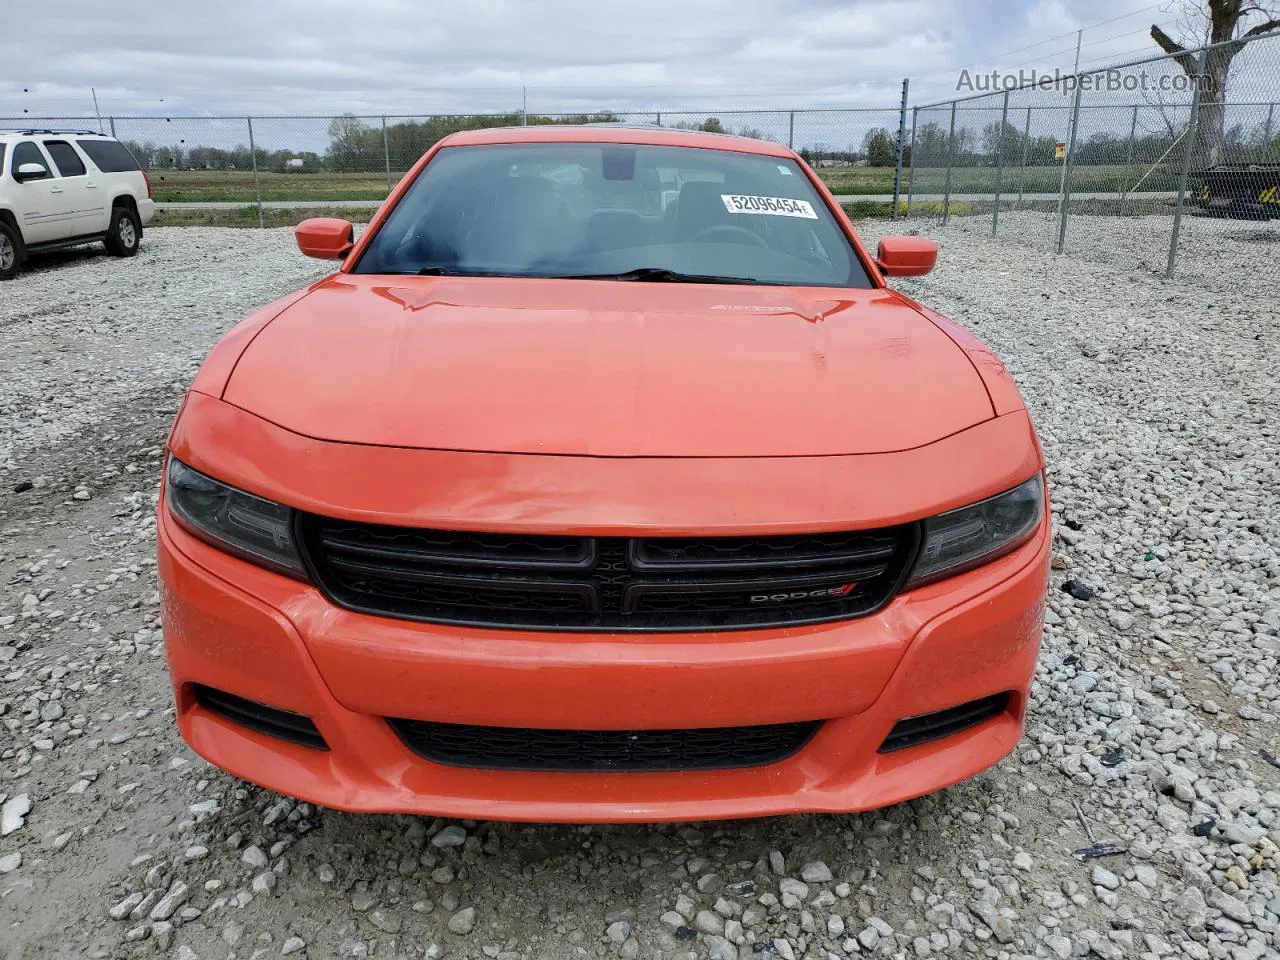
[[45, 131], [616, 133]]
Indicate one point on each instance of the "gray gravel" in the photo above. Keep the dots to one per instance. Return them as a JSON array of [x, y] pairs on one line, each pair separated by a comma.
[[1154, 723], [82, 333], [1213, 253]]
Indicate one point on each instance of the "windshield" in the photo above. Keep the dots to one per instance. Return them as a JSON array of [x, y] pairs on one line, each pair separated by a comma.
[[615, 211]]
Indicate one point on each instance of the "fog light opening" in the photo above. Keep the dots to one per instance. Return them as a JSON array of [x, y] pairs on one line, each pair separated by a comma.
[[945, 723], [271, 721]]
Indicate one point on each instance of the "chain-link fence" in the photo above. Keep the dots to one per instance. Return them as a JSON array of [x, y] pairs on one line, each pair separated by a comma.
[[357, 159], [1106, 163], [1103, 164]]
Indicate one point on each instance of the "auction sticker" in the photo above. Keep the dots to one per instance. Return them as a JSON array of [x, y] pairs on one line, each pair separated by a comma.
[[769, 206]]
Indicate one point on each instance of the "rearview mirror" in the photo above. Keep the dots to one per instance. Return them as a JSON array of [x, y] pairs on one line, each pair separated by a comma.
[[325, 238], [906, 256], [30, 171]]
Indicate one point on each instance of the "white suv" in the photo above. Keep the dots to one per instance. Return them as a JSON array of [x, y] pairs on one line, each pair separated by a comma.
[[59, 188]]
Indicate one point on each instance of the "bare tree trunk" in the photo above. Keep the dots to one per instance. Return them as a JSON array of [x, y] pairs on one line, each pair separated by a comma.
[[1224, 17], [1210, 125]]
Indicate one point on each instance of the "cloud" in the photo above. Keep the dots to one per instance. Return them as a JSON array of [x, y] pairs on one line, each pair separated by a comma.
[[239, 57]]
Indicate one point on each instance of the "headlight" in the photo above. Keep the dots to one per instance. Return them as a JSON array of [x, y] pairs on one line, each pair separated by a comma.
[[973, 535], [253, 529]]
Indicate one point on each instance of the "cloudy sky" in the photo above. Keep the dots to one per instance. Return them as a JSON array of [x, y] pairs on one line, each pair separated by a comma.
[[189, 58]]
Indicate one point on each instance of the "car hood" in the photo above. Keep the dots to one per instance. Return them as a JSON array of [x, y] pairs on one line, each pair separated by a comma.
[[608, 368]]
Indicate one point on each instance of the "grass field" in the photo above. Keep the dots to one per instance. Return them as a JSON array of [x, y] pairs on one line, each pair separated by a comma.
[[201, 186], [1084, 179], [247, 216], [197, 186]]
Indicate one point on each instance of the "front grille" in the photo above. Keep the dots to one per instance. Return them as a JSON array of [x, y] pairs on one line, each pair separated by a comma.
[[272, 721], [934, 726], [603, 751], [605, 583]]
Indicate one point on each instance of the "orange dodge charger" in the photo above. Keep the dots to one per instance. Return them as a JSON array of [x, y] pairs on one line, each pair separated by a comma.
[[606, 480]]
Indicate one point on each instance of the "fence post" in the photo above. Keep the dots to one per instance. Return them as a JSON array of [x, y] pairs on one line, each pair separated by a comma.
[[911, 168], [951, 147], [1188, 149], [253, 159], [791, 132], [112, 121], [1128, 157], [1022, 171], [1271, 113], [659, 116], [386, 154], [902, 147], [1004, 118], [1065, 198]]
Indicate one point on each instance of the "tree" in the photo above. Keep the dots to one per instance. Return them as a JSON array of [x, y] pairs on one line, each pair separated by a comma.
[[963, 147], [709, 125], [881, 148], [998, 138], [1226, 32], [348, 143], [931, 145]]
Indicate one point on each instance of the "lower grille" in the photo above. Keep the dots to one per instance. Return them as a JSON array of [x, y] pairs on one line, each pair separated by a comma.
[[605, 583], [934, 726], [272, 721], [602, 751]]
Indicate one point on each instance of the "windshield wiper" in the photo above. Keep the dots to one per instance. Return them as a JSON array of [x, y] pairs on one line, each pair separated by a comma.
[[648, 274], [660, 275], [452, 272]]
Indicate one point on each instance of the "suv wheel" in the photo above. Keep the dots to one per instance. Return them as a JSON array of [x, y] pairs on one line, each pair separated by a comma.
[[124, 233], [12, 251]]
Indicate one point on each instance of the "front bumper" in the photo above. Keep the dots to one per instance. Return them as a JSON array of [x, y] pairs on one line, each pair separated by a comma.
[[241, 629]]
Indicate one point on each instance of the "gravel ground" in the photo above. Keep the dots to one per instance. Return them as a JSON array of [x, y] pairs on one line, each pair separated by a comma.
[[1213, 253], [1153, 729]]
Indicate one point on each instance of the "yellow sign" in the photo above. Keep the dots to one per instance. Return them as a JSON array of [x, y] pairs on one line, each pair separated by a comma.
[[1060, 151], [1271, 195]]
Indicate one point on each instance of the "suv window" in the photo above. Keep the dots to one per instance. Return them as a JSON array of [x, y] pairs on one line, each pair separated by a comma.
[[28, 152], [111, 156], [65, 158], [2, 146]]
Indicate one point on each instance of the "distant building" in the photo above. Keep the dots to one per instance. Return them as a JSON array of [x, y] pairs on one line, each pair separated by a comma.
[[297, 163]]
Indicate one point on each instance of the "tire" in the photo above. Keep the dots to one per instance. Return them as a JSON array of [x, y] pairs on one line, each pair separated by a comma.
[[12, 251], [125, 232]]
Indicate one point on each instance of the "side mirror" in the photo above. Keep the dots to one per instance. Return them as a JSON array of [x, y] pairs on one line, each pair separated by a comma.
[[30, 171], [325, 238], [906, 256]]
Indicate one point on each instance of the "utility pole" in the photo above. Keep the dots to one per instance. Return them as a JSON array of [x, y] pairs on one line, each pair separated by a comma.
[[386, 154], [1187, 149], [1026, 145], [1071, 139], [902, 147], [253, 157], [911, 168], [96, 111], [951, 148], [1004, 122]]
